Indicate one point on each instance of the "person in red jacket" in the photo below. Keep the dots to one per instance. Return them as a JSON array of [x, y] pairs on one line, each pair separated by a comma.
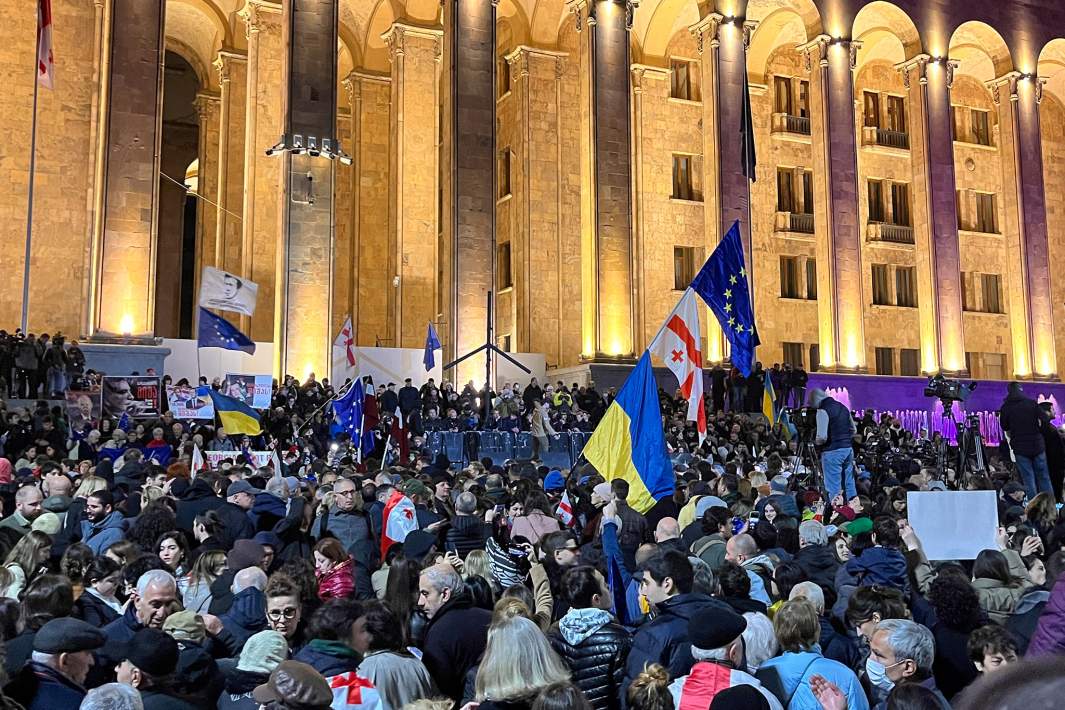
[[334, 569]]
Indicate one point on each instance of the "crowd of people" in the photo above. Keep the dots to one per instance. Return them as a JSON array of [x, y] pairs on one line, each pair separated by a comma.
[[131, 581]]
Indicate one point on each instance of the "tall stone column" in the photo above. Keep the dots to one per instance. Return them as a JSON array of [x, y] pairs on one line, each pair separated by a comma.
[[264, 122], [470, 175], [307, 148], [606, 177], [208, 110], [722, 48], [838, 232], [1030, 296], [232, 75], [413, 216], [123, 298], [537, 75], [935, 212]]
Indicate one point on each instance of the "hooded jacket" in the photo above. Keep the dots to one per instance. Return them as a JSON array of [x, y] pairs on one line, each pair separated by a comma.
[[1049, 636], [595, 650], [760, 571], [247, 616], [239, 687], [1021, 417], [664, 639], [454, 641], [880, 565], [466, 534], [198, 499], [819, 564], [100, 536], [337, 583], [788, 677]]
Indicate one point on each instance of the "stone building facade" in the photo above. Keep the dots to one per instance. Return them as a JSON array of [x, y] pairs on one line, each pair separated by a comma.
[[578, 157]]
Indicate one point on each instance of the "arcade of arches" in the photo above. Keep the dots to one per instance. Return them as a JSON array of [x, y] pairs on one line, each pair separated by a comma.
[[578, 157]]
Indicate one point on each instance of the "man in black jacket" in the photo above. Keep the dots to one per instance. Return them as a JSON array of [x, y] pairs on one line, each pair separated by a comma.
[[409, 398], [816, 559], [1022, 420], [589, 641], [457, 632]]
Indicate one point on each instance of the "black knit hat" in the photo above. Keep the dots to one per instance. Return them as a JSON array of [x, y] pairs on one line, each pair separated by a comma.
[[715, 627]]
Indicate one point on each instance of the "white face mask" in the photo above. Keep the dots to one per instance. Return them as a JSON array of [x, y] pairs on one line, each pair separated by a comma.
[[877, 673]]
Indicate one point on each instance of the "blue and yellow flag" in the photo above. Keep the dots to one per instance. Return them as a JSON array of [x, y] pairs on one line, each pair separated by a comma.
[[769, 401], [629, 442], [236, 417]]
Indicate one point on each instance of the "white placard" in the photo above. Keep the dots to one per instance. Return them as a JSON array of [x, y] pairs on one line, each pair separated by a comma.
[[227, 292], [954, 525]]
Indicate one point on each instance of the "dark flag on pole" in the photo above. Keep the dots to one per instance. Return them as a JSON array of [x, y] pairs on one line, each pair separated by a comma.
[[750, 160]]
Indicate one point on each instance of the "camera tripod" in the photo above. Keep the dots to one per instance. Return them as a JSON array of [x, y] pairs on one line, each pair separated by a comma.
[[970, 457], [806, 454]]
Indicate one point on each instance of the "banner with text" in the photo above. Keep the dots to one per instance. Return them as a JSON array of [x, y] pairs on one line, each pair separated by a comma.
[[215, 458], [135, 395], [186, 404], [252, 390], [83, 408]]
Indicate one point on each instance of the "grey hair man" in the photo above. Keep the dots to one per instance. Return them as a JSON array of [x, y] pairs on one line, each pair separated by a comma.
[[457, 632], [814, 556], [61, 659], [113, 696], [248, 578], [901, 651]]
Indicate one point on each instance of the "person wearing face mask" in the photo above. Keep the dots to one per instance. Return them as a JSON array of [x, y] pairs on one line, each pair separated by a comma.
[[901, 652]]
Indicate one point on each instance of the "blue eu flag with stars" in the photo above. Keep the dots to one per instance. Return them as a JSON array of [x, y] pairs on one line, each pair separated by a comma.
[[216, 332], [724, 284]]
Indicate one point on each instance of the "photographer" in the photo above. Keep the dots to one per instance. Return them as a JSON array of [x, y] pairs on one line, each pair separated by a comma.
[[835, 434]]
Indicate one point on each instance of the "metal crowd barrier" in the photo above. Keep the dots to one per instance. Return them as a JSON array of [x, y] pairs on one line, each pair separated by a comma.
[[463, 447]]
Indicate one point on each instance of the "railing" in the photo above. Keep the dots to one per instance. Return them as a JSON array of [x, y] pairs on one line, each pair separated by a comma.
[[892, 233], [463, 447], [800, 222], [786, 123], [893, 139]]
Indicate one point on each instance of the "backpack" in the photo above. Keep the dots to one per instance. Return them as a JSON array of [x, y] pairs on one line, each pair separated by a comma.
[[698, 550]]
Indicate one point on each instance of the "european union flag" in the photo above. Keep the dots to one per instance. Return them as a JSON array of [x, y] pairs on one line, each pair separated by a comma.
[[432, 342], [217, 332], [347, 411], [723, 283]]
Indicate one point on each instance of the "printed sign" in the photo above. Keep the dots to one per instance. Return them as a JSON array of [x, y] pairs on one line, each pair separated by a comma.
[[186, 404], [135, 395], [255, 391], [227, 292], [83, 408]]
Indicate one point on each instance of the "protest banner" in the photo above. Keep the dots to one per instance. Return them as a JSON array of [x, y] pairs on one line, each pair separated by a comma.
[[135, 395], [258, 458], [83, 408], [186, 404], [953, 525], [227, 292], [252, 390]]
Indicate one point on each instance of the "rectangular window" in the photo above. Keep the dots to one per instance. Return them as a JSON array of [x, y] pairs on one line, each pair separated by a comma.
[[876, 201], [900, 204], [909, 362], [881, 287], [804, 98], [811, 279], [994, 366], [815, 357], [981, 126], [782, 95], [906, 286], [682, 178], [991, 286], [789, 277], [807, 192], [504, 173], [503, 76], [505, 279], [955, 126], [684, 264], [684, 80], [872, 110], [986, 214], [896, 114], [793, 354], [885, 361], [785, 190], [968, 292]]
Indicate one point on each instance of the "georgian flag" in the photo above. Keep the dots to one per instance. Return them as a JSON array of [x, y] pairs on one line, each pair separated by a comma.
[[45, 61], [343, 354], [679, 345], [397, 520], [353, 692], [564, 512], [198, 463]]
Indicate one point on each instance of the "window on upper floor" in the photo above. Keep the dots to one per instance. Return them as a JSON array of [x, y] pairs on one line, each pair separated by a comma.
[[685, 263], [684, 178], [881, 285], [504, 277], [885, 361], [684, 79], [986, 213], [906, 286], [503, 176], [909, 362]]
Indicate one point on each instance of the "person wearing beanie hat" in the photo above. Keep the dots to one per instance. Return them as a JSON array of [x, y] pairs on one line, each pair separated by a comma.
[[717, 648], [197, 676], [149, 662], [47, 522], [554, 481], [245, 553], [262, 653], [62, 656]]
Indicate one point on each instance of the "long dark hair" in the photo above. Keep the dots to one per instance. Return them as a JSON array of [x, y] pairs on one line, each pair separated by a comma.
[[992, 564], [401, 592]]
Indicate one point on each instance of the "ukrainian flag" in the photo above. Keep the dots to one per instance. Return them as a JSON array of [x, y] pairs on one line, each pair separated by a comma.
[[769, 401], [236, 417], [629, 442]]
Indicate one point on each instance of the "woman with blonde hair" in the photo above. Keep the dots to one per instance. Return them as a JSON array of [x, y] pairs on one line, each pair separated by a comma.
[[1042, 513], [27, 559], [478, 564], [650, 690], [208, 567], [90, 485], [518, 663]]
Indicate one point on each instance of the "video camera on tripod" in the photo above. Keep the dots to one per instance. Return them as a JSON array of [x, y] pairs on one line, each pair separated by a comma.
[[970, 457], [947, 390], [804, 419]]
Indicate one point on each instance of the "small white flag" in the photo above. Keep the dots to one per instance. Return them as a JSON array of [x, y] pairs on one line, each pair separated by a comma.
[[198, 463], [45, 60]]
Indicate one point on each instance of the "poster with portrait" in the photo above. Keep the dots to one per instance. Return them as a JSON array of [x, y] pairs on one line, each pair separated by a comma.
[[185, 403], [83, 408], [135, 395], [255, 391], [227, 292]]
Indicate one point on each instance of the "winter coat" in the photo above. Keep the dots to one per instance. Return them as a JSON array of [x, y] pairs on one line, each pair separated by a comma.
[[699, 687], [788, 677], [595, 650], [466, 534], [38, 687], [238, 690], [533, 525], [1025, 617], [710, 549], [455, 639], [247, 616], [838, 646], [329, 658], [198, 499], [198, 677], [349, 527], [235, 523], [93, 610], [156, 700], [100, 536], [820, 566], [1049, 636], [664, 639], [999, 599], [880, 565], [337, 583], [1021, 418], [952, 668], [267, 511], [399, 678]]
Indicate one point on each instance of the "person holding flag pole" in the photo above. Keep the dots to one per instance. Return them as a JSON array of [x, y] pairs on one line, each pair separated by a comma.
[[679, 345]]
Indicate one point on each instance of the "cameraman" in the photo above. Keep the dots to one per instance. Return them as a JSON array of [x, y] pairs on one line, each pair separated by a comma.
[[1023, 420], [835, 436]]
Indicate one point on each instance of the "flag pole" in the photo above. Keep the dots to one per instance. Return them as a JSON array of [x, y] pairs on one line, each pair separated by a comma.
[[33, 171]]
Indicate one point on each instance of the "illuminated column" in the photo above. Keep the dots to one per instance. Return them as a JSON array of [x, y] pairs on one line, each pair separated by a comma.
[[123, 296], [470, 175], [722, 44], [413, 216], [207, 108], [935, 214], [1031, 308], [606, 177], [232, 75], [839, 290]]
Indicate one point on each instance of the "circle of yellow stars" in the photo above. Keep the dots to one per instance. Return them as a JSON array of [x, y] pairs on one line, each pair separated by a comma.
[[738, 327]]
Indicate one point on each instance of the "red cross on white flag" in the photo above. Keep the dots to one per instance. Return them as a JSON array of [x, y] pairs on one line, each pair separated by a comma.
[[45, 61], [344, 360], [679, 346]]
